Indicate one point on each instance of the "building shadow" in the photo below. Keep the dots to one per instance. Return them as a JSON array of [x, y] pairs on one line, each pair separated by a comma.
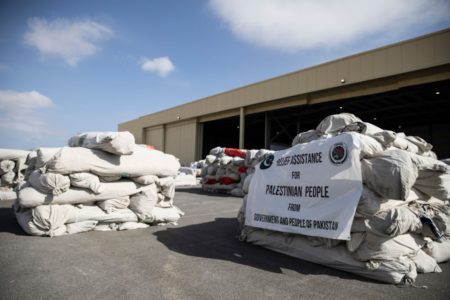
[[8, 222], [218, 239], [199, 191]]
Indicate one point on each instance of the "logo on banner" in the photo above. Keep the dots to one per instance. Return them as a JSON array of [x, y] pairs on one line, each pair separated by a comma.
[[265, 164], [338, 153]]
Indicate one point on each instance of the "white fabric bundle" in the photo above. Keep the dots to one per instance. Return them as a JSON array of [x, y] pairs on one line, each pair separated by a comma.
[[44, 155], [112, 205], [57, 220], [433, 183], [336, 123], [166, 215], [6, 166], [395, 271], [370, 147], [8, 178], [143, 203], [394, 221], [391, 174], [375, 247], [440, 251], [166, 191], [86, 181], [425, 263], [13, 154], [145, 179], [49, 183], [30, 197], [306, 137], [369, 203], [118, 143], [143, 161]]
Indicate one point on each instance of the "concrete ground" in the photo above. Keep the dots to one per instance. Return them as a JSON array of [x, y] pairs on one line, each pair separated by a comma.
[[200, 258]]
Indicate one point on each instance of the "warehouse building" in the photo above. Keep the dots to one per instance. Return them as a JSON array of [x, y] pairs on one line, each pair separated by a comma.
[[404, 87]]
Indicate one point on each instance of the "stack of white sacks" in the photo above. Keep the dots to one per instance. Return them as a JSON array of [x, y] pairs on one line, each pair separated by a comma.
[[402, 222], [12, 169], [102, 181], [225, 169]]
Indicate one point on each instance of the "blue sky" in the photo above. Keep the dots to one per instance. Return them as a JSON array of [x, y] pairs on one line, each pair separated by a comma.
[[74, 66]]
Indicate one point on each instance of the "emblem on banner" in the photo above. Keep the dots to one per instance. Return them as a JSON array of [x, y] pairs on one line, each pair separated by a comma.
[[265, 164], [338, 153]]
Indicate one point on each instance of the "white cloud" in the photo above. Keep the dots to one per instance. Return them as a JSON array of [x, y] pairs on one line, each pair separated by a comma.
[[293, 25], [69, 40], [161, 65], [19, 111]]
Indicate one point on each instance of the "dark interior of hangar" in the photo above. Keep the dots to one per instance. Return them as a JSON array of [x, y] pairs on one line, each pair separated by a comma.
[[223, 133], [419, 111]]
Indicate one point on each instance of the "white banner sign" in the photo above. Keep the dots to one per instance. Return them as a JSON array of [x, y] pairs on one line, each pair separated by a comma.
[[311, 189]]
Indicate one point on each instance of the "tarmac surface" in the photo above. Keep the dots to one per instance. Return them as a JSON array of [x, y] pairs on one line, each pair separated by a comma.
[[201, 258]]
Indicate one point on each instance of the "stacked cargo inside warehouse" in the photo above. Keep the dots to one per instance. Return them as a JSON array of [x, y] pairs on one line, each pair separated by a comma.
[[225, 169], [383, 211], [102, 181]]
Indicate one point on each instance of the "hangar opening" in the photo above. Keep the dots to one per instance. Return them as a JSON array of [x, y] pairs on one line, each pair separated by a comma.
[[223, 132], [416, 110]]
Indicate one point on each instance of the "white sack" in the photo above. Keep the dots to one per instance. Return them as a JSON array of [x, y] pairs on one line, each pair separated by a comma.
[[143, 203], [25, 219], [391, 174], [369, 146], [335, 123], [306, 137], [80, 227], [356, 239], [210, 159], [8, 178], [44, 155], [393, 222], [397, 272], [6, 166], [7, 195], [145, 179], [143, 161], [425, 263], [385, 137], [166, 215], [428, 163], [52, 218], [131, 225], [237, 192], [87, 181], [49, 183], [370, 129], [118, 143], [375, 247], [167, 190], [112, 205], [436, 184], [186, 170], [369, 203], [13, 154], [440, 251], [30, 197], [95, 213], [423, 145]]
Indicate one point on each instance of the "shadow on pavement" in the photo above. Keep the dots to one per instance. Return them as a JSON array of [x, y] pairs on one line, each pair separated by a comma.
[[8, 222], [219, 240], [199, 191]]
